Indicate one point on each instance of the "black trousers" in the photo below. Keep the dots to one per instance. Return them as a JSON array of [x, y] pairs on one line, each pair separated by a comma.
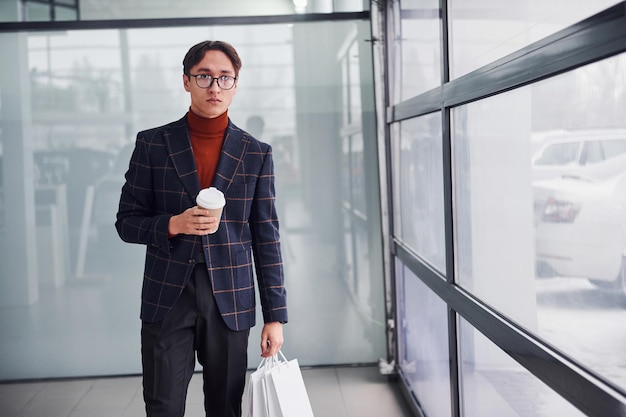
[[168, 350]]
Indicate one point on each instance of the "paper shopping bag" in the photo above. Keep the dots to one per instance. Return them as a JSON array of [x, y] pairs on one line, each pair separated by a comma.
[[271, 398], [286, 392], [257, 392]]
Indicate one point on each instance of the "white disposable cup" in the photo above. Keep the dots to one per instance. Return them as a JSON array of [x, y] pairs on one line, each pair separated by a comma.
[[213, 200]]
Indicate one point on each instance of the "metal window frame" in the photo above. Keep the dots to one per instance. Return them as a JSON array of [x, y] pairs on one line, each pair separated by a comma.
[[597, 37]]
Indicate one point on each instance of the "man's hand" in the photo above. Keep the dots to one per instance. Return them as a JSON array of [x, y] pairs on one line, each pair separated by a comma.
[[193, 221], [271, 339]]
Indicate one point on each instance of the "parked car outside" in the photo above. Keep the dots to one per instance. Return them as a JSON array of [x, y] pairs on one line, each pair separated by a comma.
[[580, 228], [587, 154]]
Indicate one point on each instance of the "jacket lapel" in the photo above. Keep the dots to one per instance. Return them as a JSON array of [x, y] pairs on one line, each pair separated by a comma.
[[178, 144], [233, 151]]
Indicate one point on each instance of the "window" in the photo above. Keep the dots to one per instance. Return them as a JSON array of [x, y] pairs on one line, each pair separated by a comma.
[[541, 250]]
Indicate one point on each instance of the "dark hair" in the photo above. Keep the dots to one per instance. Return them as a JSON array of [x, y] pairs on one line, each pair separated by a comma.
[[196, 54]]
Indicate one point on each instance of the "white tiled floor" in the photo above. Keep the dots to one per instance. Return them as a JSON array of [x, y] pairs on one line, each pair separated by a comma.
[[334, 392]]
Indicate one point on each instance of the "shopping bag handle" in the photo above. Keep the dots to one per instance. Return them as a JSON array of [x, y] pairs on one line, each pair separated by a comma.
[[272, 361], [279, 360], [280, 352], [267, 363]]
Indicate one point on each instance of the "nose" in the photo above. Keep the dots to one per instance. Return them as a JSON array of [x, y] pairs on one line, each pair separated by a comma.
[[213, 86]]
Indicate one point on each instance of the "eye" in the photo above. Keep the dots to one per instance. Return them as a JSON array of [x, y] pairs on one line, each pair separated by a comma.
[[225, 78], [204, 76]]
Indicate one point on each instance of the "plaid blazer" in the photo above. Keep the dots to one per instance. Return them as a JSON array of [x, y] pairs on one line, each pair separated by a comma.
[[162, 181]]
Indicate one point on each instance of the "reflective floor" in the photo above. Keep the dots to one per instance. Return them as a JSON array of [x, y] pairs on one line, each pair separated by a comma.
[[333, 391]]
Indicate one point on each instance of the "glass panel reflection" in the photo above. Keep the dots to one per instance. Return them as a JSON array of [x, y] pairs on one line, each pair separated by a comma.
[[423, 351], [36, 12], [149, 9], [65, 13], [540, 191], [70, 128], [415, 49], [418, 187], [482, 32], [492, 384]]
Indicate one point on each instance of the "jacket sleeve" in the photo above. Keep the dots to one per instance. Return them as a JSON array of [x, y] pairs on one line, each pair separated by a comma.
[[266, 245], [137, 221]]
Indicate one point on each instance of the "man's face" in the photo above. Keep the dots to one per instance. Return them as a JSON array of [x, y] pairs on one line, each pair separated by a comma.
[[213, 101]]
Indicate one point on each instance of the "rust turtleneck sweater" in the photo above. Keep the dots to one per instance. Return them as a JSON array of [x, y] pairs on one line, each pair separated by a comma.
[[207, 136]]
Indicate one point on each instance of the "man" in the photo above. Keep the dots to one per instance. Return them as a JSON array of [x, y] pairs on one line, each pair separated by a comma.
[[198, 288]]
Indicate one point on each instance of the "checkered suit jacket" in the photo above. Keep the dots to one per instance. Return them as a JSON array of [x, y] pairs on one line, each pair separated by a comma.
[[162, 181]]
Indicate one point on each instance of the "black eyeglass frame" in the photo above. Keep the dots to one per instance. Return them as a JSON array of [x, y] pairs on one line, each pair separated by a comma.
[[212, 79]]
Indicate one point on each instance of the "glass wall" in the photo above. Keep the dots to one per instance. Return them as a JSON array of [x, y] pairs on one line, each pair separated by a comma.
[[493, 384], [58, 10], [482, 32], [423, 354], [70, 289], [507, 191], [559, 220], [418, 191], [415, 49]]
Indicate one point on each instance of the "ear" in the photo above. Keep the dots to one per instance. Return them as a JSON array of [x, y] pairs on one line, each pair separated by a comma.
[[186, 80]]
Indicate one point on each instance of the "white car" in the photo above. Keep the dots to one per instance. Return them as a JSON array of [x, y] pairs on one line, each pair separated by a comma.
[[589, 154], [580, 228]]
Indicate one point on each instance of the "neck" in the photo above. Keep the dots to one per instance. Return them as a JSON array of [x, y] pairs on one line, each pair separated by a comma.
[[204, 125]]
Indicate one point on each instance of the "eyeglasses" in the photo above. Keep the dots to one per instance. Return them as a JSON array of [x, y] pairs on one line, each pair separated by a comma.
[[225, 82]]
